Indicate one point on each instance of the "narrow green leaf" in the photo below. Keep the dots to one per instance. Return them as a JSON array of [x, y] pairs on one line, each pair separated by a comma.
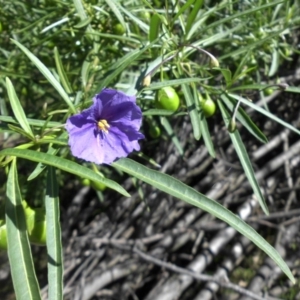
[[201, 21], [183, 192], [56, 141], [116, 37], [120, 66], [142, 25], [158, 112], [13, 74], [65, 165], [165, 123], [203, 124], [17, 108], [240, 67], [19, 253], [182, 9], [154, 27], [244, 159], [264, 112], [162, 84], [248, 87], [5, 129], [114, 6], [20, 131], [228, 77], [192, 109], [192, 16], [54, 245], [293, 89], [45, 71], [206, 136], [3, 108], [83, 23], [32, 122], [243, 13], [80, 9], [61, 72], [245, 120], [88, 65], [152, 67], [41, 167], [254, 45], [216, 38], [275, 61]]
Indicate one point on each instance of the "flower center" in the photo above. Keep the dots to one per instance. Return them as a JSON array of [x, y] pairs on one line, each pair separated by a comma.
[[103, 125]]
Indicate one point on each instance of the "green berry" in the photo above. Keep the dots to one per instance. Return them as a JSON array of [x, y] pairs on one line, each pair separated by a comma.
[[145, 15], [208, 106], [167, 98], [98, 186], [3, 237], [118, 29], [231, 126], [95, 185], [36, 225], [268, 91], [154, 132], [85, 182]]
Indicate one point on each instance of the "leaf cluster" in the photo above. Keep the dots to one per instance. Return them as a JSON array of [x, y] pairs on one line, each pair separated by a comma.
[[55, 55]]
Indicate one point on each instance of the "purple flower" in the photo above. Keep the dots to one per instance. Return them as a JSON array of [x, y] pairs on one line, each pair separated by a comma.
[[108, 130]]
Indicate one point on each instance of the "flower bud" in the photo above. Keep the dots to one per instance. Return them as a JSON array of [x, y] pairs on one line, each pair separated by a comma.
[[214, 63], [231, 126], [147, 81]]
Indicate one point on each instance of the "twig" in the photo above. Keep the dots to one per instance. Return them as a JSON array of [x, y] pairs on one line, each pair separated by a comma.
[[277, 215], [196, 276]]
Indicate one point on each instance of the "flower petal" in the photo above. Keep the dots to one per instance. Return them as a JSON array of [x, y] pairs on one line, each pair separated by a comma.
[[117, 105], [124, 117], [126, 113], [118, 144], [97, 108], [84, 140], [106, 96]]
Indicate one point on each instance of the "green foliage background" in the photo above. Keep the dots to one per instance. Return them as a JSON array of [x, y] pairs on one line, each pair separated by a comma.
[[224, 50]]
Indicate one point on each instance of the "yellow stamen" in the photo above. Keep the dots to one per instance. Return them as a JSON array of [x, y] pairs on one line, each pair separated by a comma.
[[103, 125]]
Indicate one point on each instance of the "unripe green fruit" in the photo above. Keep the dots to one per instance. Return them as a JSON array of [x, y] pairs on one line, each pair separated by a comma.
[[85, 182], [287, 52], [36, 225], [268, 91], [154, 132], [232, 126], [208, 107], [118, 29], [24, 91], [145, 15], [3, 237], [95, 185], [98, 186], [167, 98]]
